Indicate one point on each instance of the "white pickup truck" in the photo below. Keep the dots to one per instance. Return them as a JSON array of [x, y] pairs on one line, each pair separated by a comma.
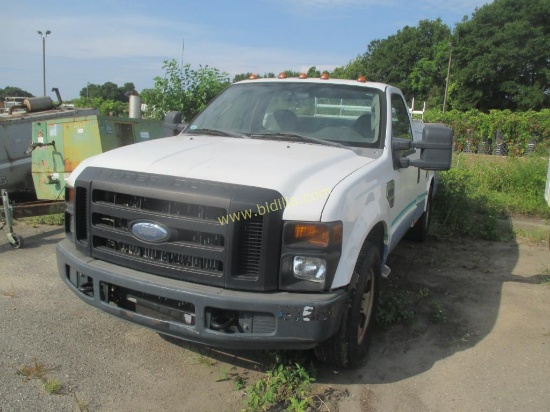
[[265, 224]]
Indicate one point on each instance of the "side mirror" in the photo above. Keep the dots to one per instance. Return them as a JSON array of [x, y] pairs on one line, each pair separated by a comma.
[[399, 144], [436, 148], [401, 149]]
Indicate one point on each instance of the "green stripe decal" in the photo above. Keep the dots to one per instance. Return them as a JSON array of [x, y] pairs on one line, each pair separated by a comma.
[[408, 208]]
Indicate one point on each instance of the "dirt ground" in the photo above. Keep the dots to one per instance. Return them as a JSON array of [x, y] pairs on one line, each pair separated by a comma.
[[476, 338]]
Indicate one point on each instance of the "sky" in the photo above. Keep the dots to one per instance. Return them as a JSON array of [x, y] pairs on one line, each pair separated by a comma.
[[123, 41]]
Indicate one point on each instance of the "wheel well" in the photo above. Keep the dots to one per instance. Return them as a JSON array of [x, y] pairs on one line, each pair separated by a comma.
[[377, 236]]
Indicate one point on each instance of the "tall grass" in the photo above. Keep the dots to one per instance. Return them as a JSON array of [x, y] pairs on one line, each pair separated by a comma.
[[479, 189]]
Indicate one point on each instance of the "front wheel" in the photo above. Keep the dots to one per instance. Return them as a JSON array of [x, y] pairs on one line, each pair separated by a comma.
[[419, 231], [350, 344]]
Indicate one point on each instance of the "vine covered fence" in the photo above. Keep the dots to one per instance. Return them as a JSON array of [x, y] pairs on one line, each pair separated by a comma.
[[499, 132]]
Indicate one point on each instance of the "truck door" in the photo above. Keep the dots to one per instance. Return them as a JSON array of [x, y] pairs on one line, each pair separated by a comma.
[[406, 180]]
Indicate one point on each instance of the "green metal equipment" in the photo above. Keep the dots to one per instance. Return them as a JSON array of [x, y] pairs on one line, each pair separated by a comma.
[[59, 145]]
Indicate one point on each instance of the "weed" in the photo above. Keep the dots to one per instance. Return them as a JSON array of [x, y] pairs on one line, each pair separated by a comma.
[[286, 386], [81, 404], [534, 235], [424, 293], [392, 307], [439, 313], [53, 386], [205, 360], [57, 219], [223, 375], [467, 337], [36, 370], [39, 370], [479, 189], [239, 383], [545, 276]]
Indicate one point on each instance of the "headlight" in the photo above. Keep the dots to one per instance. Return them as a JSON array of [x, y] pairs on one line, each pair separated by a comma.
[[310, 268], [310, 255]]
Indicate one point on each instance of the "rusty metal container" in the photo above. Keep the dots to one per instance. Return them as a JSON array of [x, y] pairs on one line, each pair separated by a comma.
[[15, 138], [61, 144]]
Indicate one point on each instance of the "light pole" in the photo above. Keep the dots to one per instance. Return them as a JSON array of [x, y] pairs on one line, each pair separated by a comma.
[[88, 90], [44, 56], [447, 80]]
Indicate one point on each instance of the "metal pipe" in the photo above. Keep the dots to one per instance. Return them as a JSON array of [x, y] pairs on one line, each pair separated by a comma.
[[17, 106], [56, 91], [135, 107], [44, 57]]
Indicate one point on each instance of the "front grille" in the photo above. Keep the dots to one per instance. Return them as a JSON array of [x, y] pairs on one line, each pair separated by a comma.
[[182, 235], [250, 246], [167, 207], [81, 207], [149, 305], [198, 247], [150, 254]]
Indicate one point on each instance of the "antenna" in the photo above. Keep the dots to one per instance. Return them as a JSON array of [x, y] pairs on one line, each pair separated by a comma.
[[182, 50]]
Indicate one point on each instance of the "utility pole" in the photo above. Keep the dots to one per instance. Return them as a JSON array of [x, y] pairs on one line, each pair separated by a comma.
[[44, 56], [448, 75]]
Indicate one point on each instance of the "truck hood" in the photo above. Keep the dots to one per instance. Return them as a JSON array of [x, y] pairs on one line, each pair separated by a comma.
[[303, 173]]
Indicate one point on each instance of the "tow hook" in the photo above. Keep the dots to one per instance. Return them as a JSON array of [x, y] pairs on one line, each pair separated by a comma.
[[86, 288], [223, 320]]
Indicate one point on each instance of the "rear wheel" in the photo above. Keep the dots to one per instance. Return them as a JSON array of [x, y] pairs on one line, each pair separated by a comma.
[[350, 344]]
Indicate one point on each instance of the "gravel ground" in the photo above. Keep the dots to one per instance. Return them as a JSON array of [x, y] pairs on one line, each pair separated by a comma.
[[490, 351]]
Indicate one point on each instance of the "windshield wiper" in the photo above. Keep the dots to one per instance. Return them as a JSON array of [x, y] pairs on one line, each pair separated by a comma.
[[216, 132], [299, 137]]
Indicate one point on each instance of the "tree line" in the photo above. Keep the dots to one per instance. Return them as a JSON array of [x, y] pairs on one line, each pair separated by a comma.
[[497, 59]]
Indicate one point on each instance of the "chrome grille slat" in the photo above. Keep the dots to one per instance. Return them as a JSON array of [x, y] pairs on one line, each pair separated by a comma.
[[167, 207], [177, 260]]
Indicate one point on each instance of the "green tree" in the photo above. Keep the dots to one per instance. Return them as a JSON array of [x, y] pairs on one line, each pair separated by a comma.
[[313, 72], [414, 59], [108, 91], [106, 107], [291, 73], [183, 89], [501, 58], [242, 76], [10, 91], [245, 76]]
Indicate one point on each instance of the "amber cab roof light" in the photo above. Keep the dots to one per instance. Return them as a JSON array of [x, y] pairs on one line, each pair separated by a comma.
[[325, 76], [283, 75], [302, 76], [362, 79], [252, 76]]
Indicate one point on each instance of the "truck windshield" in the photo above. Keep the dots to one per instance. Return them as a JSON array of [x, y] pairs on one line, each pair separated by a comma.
[[312, 112]]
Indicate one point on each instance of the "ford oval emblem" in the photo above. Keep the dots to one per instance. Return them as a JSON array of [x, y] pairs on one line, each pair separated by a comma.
[[150, 231]]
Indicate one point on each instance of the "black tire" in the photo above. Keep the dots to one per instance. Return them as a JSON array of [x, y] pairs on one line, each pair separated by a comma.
[[349, 346], [419, 232], [17, 242]]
